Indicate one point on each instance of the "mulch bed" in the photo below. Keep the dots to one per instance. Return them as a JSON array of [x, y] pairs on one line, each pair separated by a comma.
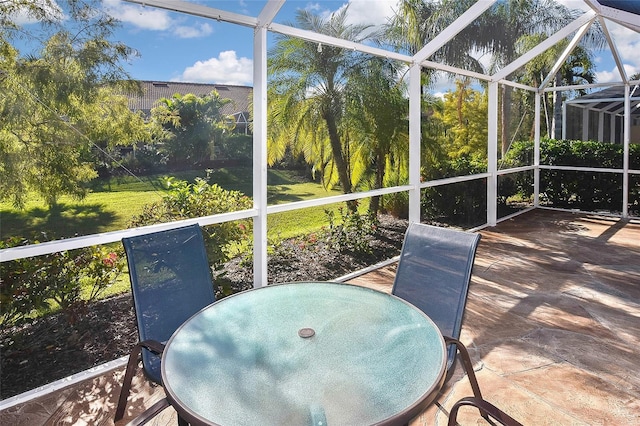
[[53, 347]]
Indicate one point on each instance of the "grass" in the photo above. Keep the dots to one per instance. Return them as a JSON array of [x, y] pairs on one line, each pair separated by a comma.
[[112, 203]]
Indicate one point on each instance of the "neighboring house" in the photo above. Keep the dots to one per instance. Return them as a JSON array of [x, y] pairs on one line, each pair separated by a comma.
[[153, 91], [599, 116]]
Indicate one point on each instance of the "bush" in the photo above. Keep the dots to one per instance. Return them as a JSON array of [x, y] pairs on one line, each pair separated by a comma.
[[70, 278], [143, 160], [571, 189], [190, 200], [235, 147], [461, 203], [353, 232]]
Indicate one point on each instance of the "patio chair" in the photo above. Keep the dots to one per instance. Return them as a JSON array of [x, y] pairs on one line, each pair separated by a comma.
[[170, 282], [433, 274]]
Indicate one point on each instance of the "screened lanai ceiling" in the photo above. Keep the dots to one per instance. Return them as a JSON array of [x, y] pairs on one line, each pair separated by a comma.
[[603, 12]]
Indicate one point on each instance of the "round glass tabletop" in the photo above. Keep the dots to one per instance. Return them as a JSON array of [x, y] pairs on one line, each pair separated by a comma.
[[304, 354]]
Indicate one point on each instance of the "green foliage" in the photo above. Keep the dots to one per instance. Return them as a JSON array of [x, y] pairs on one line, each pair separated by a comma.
[[235, 147], [59, 104], [19, 293], [191, 200], [352, 231], [307, 97], [71, 279], [191, 126], [576, 189], [465, 115], [143, 160], [377, 111], [460, 203]]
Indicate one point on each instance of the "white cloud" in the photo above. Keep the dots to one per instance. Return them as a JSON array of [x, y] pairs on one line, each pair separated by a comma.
[[227, 68], [154, 19], [367, 12], [607, 76], [53, 10], [201, 30], [147, 18], [575, 4]]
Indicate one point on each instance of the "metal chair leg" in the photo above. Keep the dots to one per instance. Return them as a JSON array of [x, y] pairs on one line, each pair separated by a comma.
[[134, 358], [132, 364], [150, 413], [468, 367], [493, 411]]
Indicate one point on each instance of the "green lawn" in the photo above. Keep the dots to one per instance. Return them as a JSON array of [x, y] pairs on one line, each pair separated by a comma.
[[112, 203]]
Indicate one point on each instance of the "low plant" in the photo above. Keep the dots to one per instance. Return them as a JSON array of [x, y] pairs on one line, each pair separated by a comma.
[[71, 279], [191, 200], [352, 231]]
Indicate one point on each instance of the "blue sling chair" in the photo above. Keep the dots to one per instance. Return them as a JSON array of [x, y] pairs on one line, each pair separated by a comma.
[[433, 274], [170, 282]]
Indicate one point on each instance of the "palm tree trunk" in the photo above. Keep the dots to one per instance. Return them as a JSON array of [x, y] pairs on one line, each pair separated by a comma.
[[374, 206], [338, 158]]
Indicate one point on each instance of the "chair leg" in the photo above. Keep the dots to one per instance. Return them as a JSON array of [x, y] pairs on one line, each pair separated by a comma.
[[134, 358], [149, 413], [468, 367], [502, 417]]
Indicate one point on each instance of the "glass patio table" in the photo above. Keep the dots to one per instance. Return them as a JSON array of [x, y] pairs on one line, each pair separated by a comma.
[[304, 354]]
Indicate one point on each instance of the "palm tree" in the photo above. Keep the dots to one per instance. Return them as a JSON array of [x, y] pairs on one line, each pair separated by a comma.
[[307, 88], [577, 69], [494, 32], [417, 22], [190, 125], [515, 19], [377, 114]]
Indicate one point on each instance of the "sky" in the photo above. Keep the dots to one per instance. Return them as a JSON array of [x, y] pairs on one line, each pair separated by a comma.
[[176, 47]]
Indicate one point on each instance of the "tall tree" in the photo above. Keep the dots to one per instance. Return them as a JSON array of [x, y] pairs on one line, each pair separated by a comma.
[[579, 68], [518, 18], [191, 126], [377, 111], [494, 32], [60, 101], [465, 115], [307, 92]]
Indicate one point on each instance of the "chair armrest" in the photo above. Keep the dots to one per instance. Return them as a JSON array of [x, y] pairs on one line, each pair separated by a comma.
[[483, 406], [153, 346]]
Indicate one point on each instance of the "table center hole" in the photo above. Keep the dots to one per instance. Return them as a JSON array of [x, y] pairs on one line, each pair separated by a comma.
[[306, 332]]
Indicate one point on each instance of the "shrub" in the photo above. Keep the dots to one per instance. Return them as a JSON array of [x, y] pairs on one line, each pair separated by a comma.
[[461, 203], [20, 294], [569, 189], [352, 232], [191, 200], [71, 278]]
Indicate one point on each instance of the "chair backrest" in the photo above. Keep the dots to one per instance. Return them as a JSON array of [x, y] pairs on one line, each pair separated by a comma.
[[170, 281], [434, 273]]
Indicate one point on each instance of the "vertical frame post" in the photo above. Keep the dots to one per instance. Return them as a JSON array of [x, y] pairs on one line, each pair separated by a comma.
[[536, 150], [492, 155], [415, 100], [260, 156], [625, 159]]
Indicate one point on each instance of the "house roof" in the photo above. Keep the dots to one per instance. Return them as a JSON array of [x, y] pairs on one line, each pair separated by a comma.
[[610, 100], [152, 91]]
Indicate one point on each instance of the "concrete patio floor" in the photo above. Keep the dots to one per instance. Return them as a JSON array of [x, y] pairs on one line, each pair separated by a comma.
[[552, 324]]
